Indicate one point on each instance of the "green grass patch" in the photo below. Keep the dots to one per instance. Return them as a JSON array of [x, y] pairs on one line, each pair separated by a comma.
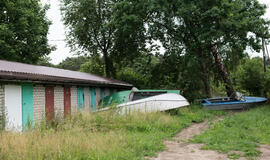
[[100, 136], [239, 132]]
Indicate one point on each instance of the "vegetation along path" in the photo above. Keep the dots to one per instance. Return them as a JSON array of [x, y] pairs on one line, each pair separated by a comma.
[[203, 134], [180, 148]]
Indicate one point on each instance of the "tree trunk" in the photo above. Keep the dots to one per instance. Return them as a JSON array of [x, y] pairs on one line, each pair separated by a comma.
[[108, 64], [204, 72], [222, 70]]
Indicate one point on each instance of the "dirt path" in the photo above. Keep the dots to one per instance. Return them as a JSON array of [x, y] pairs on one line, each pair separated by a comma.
[[265, 149], [181, 149]]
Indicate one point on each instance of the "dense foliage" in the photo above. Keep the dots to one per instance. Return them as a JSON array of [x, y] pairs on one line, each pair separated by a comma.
[[73, 63], [94, 65], [212, 32], [106, 27], [250, 78], [203, 41], [23, 31]]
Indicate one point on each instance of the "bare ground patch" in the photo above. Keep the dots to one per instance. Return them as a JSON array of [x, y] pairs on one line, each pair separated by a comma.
[[265, 152]]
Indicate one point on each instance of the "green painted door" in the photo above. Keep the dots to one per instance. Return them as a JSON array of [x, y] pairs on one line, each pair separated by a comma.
[[27, 105], [80, 94], [93, 99]]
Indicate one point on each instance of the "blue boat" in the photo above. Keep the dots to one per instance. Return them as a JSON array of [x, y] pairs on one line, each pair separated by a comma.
[[231, 103]]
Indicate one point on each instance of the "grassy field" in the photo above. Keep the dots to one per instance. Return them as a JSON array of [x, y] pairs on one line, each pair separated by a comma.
[[240, 132], [100, 136]]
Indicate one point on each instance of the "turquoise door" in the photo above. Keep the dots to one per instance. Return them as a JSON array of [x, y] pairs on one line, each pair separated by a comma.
[[93, 98], [27, 105], [102, 93], [80, 94]]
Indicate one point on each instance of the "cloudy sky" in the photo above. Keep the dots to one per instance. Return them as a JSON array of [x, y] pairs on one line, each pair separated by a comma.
[[57, 31]]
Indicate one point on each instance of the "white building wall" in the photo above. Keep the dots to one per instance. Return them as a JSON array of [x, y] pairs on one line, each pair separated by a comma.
[[59, 101], [38, 103], [87, 97], [73, 98]]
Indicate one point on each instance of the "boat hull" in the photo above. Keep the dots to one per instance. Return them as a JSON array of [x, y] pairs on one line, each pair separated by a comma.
[[161, 102], [237, 105]]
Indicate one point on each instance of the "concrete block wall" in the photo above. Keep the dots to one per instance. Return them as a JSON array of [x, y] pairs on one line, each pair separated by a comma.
[[2, 102], [59, 101], [98, 95], [87, 97], [73, 97], [38, 103]]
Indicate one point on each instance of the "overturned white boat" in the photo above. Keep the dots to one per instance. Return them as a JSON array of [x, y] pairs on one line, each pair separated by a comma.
[[161, 102], [145, 101]]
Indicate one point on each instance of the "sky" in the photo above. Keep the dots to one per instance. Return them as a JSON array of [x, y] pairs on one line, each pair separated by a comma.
[[57, 30]]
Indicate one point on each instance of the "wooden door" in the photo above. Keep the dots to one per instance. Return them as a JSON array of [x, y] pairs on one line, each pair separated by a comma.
[[93, 99], [67, 101], [49, 103], [27, 105], [80, 94], [13, 104]]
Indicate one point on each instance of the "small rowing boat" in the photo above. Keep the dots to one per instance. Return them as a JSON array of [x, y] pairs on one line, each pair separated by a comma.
[[230, 103]]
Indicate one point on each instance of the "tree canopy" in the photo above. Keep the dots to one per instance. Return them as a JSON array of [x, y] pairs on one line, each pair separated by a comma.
[[111, 28], [23, 31], [203, 40], [73, 63], [213, 31]]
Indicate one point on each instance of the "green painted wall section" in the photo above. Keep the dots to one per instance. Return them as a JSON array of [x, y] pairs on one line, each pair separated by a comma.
[[27, 105], [93, 98], [80, 96], [117, 98]]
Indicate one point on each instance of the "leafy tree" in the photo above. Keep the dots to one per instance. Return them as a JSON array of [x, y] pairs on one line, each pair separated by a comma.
[[250, 77], [94, 65], [131, 76], [211, 30], [73, 63], [113, 29], [45, 61], [175, 71], [23, 31]]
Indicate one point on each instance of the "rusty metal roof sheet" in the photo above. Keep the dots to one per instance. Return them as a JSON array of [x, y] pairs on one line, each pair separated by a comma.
[[32, 72]]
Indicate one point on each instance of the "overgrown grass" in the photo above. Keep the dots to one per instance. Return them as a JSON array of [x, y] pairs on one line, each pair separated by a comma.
[[240, 132], [100, 136]]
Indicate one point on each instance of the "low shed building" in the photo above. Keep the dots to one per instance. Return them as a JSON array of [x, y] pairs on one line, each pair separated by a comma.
[[29, 92]]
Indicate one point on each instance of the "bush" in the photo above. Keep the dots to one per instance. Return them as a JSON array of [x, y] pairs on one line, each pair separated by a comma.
[[130, 76], [250, 77]]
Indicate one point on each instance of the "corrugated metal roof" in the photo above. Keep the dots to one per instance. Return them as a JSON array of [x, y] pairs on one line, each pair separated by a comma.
[[9, 70]]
